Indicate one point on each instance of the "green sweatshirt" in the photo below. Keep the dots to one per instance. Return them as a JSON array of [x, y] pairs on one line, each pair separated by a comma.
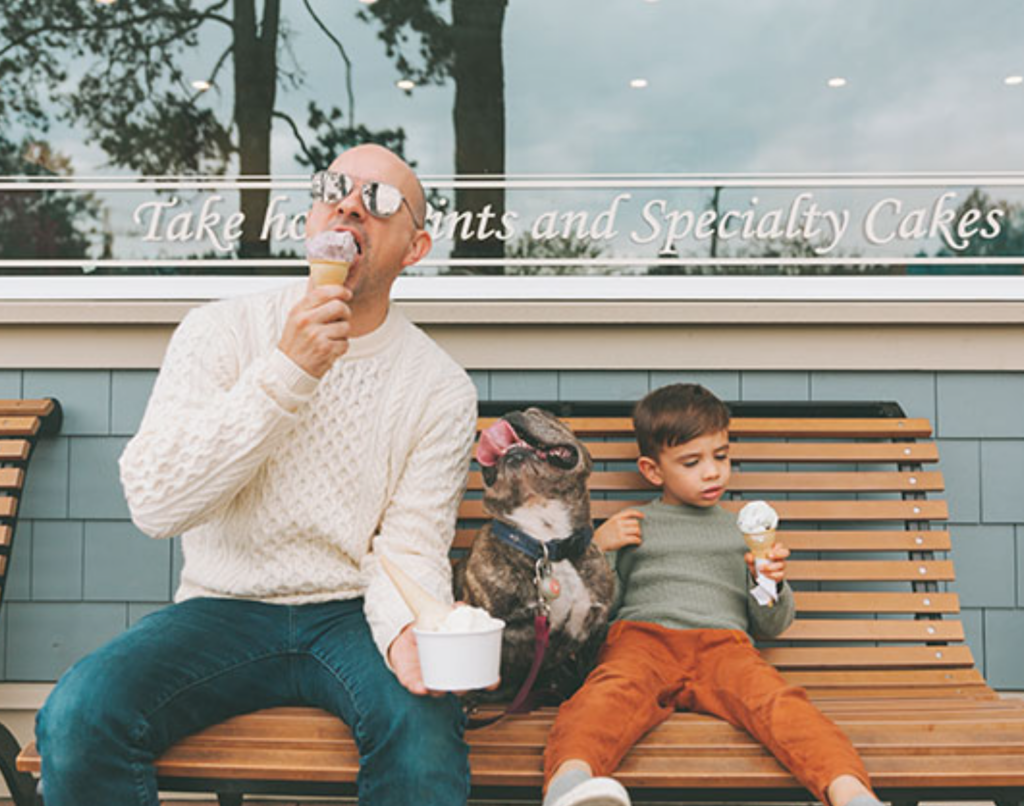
[[689, 573]]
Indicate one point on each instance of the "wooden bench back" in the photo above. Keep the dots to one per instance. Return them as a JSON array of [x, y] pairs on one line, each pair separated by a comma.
[[22, 422], [858, 507]]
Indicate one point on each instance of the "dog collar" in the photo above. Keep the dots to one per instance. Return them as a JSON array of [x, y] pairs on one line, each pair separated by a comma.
[[565, 548]]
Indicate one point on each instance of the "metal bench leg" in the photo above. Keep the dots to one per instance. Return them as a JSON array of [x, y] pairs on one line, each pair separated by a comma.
[[229, 799], [21, 785]]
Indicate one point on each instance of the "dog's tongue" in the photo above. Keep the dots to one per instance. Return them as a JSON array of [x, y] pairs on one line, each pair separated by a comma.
[[494, 442]]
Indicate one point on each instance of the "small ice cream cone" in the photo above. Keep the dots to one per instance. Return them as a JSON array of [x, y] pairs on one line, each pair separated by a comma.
[[760, 543], [429, 612], [330, 255], [329, 272], [758, 521]]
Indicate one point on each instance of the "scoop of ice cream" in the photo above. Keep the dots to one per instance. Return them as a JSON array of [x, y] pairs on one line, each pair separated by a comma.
[[332, 245], [469, 619], [757, 516]]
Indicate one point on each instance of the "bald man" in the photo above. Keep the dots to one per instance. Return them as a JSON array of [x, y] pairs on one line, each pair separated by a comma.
[[291, 438]]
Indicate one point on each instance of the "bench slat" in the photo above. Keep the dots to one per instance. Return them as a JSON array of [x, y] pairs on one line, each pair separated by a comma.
[[5, 534], [875, 541], [15, 450], [19, 426], [11, 478], [870, 570], [8, 506], [838, 680], [872, 630], [881, 540], [796, 452], [839, 427], [602, 481], [867, 657], [26, 408], [788, 510], [874, 602], [836, 452]]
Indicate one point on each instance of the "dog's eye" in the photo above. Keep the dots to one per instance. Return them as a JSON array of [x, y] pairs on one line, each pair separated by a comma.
[[562, 456]]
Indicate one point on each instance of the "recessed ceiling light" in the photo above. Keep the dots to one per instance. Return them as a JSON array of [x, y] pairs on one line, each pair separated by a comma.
[[201, 85], [405, 84], [638, 83], [1013, 81], [838, 81]]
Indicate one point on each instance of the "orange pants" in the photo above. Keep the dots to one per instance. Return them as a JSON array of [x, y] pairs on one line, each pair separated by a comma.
[[646, 671]]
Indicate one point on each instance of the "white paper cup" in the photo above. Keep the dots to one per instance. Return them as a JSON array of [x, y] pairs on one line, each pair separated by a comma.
[[459, 661]]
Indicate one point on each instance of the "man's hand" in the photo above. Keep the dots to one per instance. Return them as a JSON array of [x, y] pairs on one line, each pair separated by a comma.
[[776, 566], [621, 529], [316, 332], [404, 657]]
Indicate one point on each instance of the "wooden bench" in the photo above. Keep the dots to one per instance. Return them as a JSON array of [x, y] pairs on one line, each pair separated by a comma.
[[877, 642], [22, 422]]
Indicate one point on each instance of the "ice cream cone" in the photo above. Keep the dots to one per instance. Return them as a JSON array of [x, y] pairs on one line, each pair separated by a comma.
[[760, 543], [429, 612], [329, 272], [330, 255]]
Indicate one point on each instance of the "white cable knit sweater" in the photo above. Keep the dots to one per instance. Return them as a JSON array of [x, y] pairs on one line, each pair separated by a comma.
[[282, 483]]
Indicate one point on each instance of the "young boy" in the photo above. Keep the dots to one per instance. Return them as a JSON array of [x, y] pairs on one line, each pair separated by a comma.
[[680, 636]]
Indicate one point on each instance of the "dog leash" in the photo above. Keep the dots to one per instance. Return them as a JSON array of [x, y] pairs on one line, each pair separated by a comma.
[[547, 590]]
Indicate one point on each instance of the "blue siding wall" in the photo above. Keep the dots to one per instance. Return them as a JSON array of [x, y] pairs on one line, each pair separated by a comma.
[[81, 572]]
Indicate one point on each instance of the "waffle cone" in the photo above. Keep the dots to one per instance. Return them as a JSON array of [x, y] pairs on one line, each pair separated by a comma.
[[428, 611], [760, 542]]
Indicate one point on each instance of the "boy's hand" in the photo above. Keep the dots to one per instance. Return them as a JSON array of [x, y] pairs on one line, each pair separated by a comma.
[[621, 529], [775, 568]]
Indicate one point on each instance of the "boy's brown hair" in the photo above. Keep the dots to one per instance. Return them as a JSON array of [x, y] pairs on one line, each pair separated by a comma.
[[675, 414]]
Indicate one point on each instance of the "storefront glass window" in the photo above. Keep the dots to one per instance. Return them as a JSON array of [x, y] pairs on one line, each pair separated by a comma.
[[627, 137]]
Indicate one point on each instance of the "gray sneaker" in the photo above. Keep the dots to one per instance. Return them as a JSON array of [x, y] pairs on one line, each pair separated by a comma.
[[595, 792]]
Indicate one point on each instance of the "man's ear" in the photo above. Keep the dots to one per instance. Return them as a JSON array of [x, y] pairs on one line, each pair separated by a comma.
[[650, 470], [418, 248]]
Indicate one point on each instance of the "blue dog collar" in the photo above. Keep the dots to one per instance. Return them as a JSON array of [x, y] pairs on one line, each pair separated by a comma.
[[566, 548]]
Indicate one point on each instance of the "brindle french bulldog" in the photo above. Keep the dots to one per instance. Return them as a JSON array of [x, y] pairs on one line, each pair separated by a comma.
[[535, 475]]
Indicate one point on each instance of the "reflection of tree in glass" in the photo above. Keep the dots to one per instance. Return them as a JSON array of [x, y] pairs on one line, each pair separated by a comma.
[[468, 50], [572, 247], [1009, 242], [116, 70], [42, 223]]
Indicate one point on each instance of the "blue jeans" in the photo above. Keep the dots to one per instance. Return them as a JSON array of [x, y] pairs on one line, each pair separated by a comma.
[[199, 662]]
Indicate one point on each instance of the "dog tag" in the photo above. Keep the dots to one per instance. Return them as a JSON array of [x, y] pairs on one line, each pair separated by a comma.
[[549, 588]]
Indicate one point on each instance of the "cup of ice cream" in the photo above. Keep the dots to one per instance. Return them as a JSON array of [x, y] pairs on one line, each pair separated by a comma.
[[459, 647], [463, 653], [330, 255]]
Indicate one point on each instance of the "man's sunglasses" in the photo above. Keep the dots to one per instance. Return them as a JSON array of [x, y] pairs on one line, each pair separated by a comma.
[[379, 198]]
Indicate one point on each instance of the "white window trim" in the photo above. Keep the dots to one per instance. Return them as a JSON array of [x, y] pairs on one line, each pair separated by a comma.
[[662, 289]]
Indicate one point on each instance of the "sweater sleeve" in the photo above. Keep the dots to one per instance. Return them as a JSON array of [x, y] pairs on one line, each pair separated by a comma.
[[769, 622], [418, 525], [209, 425]]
